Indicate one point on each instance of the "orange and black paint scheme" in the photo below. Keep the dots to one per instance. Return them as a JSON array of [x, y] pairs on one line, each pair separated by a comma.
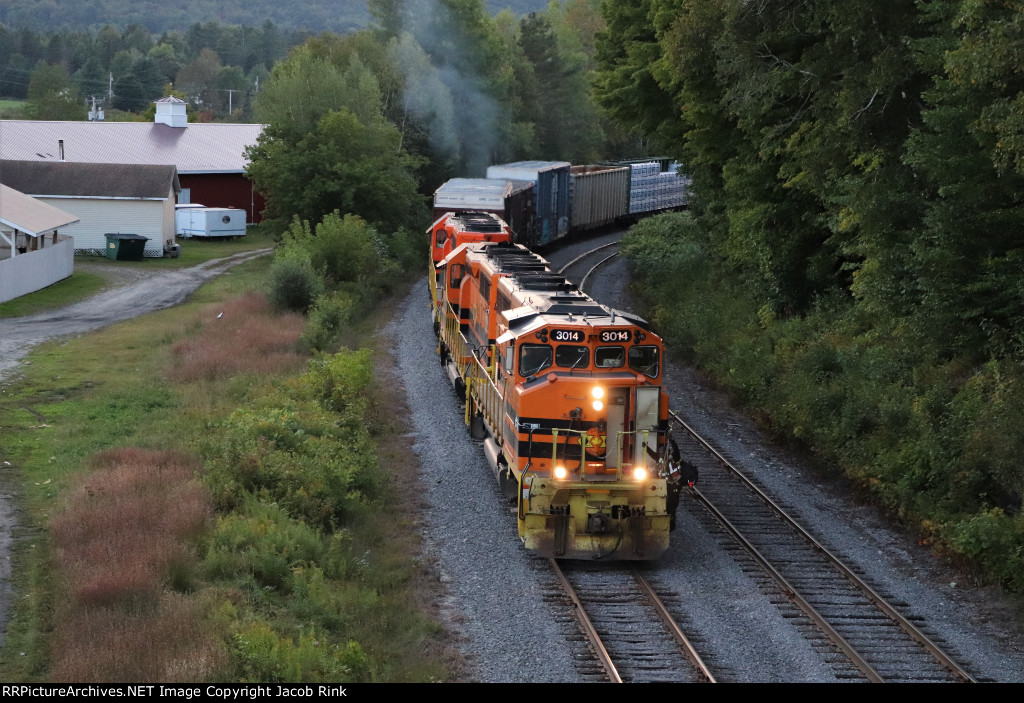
[[565, 394], [448, 233]]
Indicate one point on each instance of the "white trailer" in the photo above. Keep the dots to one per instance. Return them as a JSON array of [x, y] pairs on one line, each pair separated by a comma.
[[198, 221]]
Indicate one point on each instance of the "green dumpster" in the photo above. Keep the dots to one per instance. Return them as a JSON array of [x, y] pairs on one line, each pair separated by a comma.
[[125, 247]]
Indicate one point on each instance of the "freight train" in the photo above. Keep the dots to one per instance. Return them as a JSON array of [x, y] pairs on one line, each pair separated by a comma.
[[544, 201], [564, 392]]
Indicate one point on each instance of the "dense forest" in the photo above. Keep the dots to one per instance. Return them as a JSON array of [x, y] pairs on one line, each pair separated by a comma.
[[216, 67], [851, 264], [339, 16]]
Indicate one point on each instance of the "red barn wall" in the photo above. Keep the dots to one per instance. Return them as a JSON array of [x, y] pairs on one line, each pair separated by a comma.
[[224, 190]]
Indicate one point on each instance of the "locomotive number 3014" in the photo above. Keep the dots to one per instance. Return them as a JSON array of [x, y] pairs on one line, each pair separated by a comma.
[[568, 335], [615, 336]]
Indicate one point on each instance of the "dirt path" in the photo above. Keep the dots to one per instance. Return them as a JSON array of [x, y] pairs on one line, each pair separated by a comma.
[[132, 296]]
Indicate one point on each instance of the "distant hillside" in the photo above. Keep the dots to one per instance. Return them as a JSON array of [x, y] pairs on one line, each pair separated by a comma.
[[159, 16]]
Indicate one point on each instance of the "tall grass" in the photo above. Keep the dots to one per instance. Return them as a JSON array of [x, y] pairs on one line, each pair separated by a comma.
[[123, 544], [241, 336]]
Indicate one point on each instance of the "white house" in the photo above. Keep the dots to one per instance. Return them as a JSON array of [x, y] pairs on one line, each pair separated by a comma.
[[33, 254], [106, 198]]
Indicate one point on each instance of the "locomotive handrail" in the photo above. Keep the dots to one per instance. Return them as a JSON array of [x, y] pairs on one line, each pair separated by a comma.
[[486, 395], [646, 434], [432, 283], [585, 443]]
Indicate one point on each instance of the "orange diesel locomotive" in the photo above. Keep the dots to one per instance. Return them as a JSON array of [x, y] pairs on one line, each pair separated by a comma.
[[566, 395]]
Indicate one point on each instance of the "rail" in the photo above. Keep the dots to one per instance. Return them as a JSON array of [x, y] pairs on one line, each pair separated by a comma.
[[895, 616]]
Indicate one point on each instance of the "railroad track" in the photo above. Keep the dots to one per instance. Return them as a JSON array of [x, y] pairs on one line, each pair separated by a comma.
[[628, 628], [578, 264], [873, 639]]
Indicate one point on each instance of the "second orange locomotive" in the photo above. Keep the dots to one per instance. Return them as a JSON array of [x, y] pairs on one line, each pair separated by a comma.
[[566, 395]]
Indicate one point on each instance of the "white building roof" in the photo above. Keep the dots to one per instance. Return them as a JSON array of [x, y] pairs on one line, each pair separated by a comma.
[[196, 148], [28, 215]]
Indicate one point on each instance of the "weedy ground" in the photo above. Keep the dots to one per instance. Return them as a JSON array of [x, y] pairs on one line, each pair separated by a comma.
[[196, 500]]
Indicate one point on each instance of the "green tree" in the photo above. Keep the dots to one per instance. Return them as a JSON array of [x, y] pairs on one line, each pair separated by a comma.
[[166, 59], [52, 95], [137, 37], [129, 94], [565, 120], [967, 258], [342, 164], [91, 78], [198, 79], [327, 146], [108, 43]]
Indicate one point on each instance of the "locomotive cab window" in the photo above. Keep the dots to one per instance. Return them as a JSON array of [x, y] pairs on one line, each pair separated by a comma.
[[569, 356], [455, 275], [645, 359], [610, 357], [534, 358], [439, 237]]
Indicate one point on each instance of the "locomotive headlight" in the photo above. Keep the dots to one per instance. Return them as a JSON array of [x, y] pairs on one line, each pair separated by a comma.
[[598, 405], [560, 472], [639, 473], [597, 392]]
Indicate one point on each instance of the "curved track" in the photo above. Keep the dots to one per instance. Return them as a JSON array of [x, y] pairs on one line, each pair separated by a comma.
[[573, 269], [877, 642]]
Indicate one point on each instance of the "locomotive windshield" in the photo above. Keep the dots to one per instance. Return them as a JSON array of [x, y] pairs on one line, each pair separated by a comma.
[[645, 359], [610, 357], [534, 358], [572, 357]]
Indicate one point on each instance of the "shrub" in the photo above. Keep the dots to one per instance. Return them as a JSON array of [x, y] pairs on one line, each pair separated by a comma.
[[330, 313], [994, 540], [340, 247], [263, 656], [262, 540], [338, 381], [305, 447], [294, 283]]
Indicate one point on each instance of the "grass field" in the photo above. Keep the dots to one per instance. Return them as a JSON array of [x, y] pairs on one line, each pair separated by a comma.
[[195, 251], [10, 106]]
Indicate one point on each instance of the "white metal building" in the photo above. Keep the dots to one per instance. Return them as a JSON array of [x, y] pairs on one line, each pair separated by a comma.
[[106, 198]]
